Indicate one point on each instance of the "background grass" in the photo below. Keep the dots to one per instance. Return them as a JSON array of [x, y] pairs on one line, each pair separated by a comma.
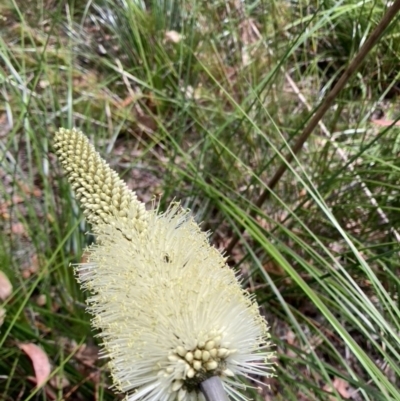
[[200, 101]]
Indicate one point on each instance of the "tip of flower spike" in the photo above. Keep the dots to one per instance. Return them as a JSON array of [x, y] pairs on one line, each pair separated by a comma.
[[100, 192]]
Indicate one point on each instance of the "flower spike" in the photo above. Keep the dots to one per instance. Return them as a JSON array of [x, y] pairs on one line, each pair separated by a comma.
[[173, 318]]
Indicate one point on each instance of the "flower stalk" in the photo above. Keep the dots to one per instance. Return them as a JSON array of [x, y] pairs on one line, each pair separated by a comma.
[[213, 389], [173, 318]]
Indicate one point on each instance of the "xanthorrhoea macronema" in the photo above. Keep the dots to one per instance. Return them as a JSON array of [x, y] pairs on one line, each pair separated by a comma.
[[171, 313]]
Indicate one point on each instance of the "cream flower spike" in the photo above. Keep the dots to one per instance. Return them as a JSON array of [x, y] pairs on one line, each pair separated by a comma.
[[173, 318]]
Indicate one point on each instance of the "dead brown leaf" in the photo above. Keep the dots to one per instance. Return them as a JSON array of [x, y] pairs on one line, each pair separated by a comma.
[[172, 36], [127, 101], [87, 355], [18, 228], [341, 386], [41, 300], [35, 264], [291, 340], [37, 192], [5, 286], [385, 123], [31, 266], [40, 362], [272, 268], [59, 382], [290, 337]]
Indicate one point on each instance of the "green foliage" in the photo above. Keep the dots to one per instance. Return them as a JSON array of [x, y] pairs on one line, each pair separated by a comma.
[[207, 118]]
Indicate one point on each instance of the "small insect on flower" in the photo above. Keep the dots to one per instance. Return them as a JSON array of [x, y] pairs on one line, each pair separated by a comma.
[[173, 318]]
